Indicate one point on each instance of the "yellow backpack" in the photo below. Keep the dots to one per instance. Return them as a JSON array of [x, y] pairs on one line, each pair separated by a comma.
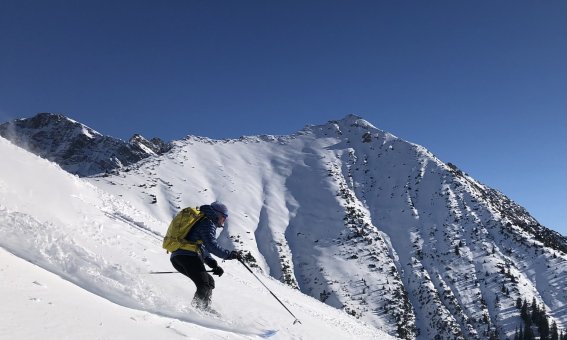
[[179, 228]]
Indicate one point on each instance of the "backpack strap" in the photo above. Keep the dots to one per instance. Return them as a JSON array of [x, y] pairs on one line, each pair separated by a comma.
[[190, 245]]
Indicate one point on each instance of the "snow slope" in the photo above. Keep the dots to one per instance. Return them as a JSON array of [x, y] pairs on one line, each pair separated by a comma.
[[76, 260], [367, 223]]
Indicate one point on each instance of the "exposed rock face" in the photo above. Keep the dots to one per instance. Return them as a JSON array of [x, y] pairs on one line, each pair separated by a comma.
[[77, 148]]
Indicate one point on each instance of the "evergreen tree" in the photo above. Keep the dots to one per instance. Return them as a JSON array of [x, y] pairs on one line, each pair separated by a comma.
[[535, 312], [524, 313], [543, 326], [553, 334], [528, 333]]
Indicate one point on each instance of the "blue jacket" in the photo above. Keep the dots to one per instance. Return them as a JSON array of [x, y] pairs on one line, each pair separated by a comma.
[[205, 230]]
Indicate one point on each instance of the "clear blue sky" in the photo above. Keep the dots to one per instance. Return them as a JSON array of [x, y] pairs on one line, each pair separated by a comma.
[[482, 84]]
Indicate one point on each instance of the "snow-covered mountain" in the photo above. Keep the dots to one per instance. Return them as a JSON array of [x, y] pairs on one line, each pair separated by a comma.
[[75, 263], [367, 223], [76, 147]]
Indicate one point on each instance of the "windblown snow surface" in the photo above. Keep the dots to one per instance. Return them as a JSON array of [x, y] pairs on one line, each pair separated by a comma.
[[75, 260]]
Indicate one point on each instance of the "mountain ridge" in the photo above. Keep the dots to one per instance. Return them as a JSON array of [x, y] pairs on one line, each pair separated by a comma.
[[77, 148]]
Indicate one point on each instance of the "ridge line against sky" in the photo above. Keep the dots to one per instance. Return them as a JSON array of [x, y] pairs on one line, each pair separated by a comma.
[[482, 85]]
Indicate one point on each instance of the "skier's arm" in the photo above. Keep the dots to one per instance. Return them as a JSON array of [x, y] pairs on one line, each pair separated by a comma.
[[211, 245], [207, 258]]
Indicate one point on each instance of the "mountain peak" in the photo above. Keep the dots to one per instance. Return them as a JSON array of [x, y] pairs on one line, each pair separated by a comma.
[[76, 147], [344, 124], [46, 121], [358, 121], [354, 120]]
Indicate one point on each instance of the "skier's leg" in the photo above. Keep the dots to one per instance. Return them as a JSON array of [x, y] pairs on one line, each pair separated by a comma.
[[193, 267], [205, 285]]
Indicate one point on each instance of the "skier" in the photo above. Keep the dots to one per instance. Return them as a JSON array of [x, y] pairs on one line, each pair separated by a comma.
[[190, 263]]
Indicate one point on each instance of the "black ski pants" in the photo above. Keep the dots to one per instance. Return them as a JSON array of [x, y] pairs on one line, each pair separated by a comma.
[[193, 268]]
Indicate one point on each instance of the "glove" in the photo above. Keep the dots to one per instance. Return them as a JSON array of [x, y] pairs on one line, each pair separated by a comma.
[[218, 271], [211, 262], [235, 255]]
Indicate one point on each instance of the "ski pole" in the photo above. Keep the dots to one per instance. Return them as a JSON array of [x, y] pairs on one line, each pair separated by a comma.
[[172, 272], [274, 295]]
